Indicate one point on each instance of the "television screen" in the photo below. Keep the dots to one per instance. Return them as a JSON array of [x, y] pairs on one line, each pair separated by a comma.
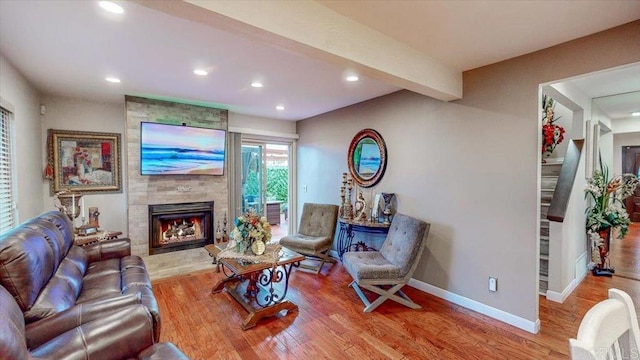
[[175, 150]]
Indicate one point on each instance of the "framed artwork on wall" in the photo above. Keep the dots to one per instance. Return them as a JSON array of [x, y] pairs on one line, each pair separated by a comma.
[[84, 161]]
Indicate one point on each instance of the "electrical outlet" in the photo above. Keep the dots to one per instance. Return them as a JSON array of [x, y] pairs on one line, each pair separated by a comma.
[[493, 284]]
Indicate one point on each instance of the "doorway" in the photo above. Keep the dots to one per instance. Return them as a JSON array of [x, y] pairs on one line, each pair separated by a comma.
[[265, 183], [631, 165]]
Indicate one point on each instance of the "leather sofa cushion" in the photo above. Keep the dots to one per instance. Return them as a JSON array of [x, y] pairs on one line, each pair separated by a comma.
[[62, 222], [163, 350], [27, 264], [62, 290], [53, 236]]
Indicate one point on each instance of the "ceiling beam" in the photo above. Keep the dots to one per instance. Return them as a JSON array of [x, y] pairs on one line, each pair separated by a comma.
[[308, 28]]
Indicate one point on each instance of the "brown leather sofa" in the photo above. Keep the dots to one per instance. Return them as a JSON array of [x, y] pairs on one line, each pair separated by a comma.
[[46, 274], [124, 333]]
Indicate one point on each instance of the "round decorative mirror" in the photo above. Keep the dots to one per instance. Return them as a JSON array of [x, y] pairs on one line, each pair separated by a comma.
[[367, 158]]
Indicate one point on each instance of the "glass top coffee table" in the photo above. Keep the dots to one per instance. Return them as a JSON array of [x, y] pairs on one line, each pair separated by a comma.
[[259, 287]]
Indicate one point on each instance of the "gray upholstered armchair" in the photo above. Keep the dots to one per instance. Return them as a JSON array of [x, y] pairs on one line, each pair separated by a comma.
[[315, 233], [384, 272]]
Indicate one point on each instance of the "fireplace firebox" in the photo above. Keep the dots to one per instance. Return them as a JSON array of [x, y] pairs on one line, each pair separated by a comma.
[[174, 227]]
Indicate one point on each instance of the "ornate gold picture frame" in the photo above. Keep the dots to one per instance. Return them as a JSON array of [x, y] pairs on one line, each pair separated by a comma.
[[84, 161]]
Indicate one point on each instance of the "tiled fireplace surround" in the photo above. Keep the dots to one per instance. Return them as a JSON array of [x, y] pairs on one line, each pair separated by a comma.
[[143, 191]]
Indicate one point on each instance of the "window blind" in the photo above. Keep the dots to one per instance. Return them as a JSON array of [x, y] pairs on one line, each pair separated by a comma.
[[7, 216]]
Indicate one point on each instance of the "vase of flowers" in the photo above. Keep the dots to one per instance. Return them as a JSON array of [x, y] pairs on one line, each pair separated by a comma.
[[607, 213], [251, 233], [552, 134]]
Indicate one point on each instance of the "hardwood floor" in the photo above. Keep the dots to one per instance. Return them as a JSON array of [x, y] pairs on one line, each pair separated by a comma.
[[625, 254], [330, 323]]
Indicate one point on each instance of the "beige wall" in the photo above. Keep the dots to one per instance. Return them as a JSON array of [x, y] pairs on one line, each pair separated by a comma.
[[18, 96], [81, 115], [470, 168]]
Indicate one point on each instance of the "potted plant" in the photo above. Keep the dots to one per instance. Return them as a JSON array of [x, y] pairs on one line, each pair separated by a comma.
[[607, 213]]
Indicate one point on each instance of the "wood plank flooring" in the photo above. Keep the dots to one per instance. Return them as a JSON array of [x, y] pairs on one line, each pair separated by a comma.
[[330, 323]]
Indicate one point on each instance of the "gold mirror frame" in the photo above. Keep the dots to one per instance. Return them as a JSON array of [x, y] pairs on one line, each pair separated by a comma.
[[369, 174]]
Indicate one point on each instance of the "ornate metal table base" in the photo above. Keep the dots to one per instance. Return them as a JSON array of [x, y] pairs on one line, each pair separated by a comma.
[[260, 288]]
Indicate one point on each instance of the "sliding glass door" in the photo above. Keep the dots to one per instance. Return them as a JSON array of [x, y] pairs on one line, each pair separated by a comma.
[[265, 180], [253, 179]]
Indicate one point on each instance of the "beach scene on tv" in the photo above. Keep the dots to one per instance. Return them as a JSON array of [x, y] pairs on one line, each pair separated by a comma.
[[174, 150]]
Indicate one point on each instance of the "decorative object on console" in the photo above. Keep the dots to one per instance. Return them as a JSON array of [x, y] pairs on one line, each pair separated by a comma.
[[93, 217], [367, 158], [552, 134], [387, 197], [375, 209], [221, 232], [607, 213], [85, 161], [361, 208]]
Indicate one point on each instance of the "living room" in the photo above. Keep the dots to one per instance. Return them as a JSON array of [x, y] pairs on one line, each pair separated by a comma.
[[484, 224]]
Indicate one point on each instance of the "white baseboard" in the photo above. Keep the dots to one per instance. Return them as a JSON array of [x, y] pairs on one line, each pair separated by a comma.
[[524, 324], [580, 271], [561, 297]]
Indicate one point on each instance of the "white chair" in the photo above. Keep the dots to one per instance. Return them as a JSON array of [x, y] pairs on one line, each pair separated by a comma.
[[608, 331]]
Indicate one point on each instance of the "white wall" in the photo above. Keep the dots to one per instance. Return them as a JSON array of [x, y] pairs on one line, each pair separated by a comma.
[[81, 115], [627, 125], [261, 125], [620, 140], [24, 101]]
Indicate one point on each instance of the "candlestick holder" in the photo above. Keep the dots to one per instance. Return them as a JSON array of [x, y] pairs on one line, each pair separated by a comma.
[[348, 207], [68, 202]]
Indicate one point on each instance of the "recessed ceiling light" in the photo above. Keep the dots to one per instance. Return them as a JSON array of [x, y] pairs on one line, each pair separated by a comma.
[[200, 72], [352, 78], [112, 79], [257, 84], [280, 107], [637, 113], [111, 7]]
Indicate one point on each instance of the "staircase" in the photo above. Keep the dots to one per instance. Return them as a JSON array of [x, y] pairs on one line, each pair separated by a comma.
[[550, 172]]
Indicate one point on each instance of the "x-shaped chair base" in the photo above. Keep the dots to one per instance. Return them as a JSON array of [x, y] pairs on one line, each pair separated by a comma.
[[389, 294], [322, 257]]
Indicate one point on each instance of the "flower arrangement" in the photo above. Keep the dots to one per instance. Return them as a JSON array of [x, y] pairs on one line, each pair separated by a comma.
[[552, 134], [607, 210], [248, 229]]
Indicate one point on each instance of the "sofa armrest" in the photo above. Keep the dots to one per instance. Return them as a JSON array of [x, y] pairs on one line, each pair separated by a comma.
[[108, 249], [39, 332], [163, 350], [122, 335]]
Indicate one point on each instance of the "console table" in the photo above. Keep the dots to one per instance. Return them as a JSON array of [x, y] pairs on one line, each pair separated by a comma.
[[348, 228], [100, 235]]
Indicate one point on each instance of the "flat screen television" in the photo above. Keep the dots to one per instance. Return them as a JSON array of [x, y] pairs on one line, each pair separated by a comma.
[[178, 150]]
